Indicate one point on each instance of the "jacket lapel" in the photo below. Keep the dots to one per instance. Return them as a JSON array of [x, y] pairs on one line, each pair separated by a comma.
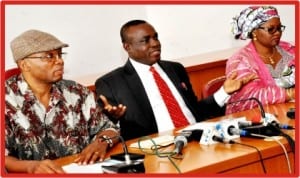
[[139, 93], [172, 74], [179, 83]]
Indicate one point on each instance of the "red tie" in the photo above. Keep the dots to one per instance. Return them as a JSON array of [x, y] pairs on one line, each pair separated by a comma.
[[173, 107]]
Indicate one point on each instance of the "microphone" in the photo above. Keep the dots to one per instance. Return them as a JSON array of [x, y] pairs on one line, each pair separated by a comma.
[[185, 136], [256, 131], [125, 156], [282, 126], [269, 130], [234, 131], [243, 124], [266, 118], [271, 119], [221, 139], [180, 142], [131, 161]]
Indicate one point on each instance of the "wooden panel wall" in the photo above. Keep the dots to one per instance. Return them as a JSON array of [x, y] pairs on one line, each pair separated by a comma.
[[202, 73]]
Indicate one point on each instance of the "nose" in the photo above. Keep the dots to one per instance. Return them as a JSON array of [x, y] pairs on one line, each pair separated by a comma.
[[277, 33], [59, 60], [154, 42]]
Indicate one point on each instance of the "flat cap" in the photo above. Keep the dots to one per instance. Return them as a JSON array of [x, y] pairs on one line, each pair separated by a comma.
[[34, 41]]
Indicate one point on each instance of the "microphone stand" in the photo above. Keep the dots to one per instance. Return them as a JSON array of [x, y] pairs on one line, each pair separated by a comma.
[[260, 106], [132, 161]]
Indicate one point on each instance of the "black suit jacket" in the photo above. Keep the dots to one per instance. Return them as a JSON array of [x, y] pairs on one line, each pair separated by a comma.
[[123, 86]]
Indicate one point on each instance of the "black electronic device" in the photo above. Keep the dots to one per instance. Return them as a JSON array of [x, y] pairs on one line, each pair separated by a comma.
[[192, 135], [268, 130], [132, 156], [133, 167], [291, 113], [131, 162]]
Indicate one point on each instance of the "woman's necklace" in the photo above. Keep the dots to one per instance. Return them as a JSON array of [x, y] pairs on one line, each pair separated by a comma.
[[270, 58]]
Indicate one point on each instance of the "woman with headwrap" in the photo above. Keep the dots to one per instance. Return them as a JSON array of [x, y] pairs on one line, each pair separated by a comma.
[[272, 60]]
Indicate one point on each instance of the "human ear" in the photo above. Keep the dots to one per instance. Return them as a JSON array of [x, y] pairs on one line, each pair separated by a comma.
[[23, 65], [126, 46]]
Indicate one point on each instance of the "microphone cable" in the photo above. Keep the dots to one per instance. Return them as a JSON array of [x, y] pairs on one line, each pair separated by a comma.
[[155, 151], [154, 148], [290, 141], [286, 136], [221, 140], [259, 154], [282, 146], [260, 106]]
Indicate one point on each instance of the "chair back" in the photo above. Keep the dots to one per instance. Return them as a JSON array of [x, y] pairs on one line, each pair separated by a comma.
[[212, 86], [11, 72]]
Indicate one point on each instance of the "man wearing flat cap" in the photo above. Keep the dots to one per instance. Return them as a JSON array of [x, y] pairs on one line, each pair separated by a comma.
[[46, 116]]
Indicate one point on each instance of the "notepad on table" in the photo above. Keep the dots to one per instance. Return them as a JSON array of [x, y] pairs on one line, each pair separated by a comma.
[[89, 168]]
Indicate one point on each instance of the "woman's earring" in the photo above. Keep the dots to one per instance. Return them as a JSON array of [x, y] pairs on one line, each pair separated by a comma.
[[254, 37]]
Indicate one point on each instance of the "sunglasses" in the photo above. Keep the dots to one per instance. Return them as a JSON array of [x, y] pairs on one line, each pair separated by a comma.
[[272, 30]]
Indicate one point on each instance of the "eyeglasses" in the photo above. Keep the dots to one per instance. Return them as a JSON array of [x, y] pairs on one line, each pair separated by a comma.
[[50, 57], [272, 30]]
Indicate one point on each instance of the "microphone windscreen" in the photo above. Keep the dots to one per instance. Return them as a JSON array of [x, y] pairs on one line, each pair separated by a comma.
[[180, 139]]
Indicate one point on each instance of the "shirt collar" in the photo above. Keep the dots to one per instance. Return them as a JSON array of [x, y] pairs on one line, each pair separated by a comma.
[[140, 67], [56, 93]]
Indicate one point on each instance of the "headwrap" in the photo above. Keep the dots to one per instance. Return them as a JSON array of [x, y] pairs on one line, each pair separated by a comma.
[[250, 19]]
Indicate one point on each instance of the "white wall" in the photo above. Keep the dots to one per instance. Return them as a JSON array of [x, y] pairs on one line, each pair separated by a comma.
[[92, 31], [190, 30]]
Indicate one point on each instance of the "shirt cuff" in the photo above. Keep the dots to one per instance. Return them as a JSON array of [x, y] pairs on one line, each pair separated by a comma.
[[221, 97]]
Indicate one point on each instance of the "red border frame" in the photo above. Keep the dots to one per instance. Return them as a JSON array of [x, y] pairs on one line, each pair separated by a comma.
[[139, 2]]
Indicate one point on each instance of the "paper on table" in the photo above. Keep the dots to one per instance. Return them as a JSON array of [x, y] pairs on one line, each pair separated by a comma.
[[90, 168]]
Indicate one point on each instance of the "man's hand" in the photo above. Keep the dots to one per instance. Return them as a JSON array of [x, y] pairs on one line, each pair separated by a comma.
[[92, 153], [96, 151], [114, 111], [46, 167], [232, 84]]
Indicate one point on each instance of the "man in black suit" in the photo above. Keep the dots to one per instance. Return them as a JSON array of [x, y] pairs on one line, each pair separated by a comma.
[[134, 86]]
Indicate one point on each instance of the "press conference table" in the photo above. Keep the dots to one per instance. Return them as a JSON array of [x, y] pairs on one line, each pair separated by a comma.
[[223, 158]]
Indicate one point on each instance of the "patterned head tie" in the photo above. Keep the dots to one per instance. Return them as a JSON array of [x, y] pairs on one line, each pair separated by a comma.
[[250, 19]]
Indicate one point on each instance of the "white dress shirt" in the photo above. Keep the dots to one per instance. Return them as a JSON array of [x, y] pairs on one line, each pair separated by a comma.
[[163, 119]]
